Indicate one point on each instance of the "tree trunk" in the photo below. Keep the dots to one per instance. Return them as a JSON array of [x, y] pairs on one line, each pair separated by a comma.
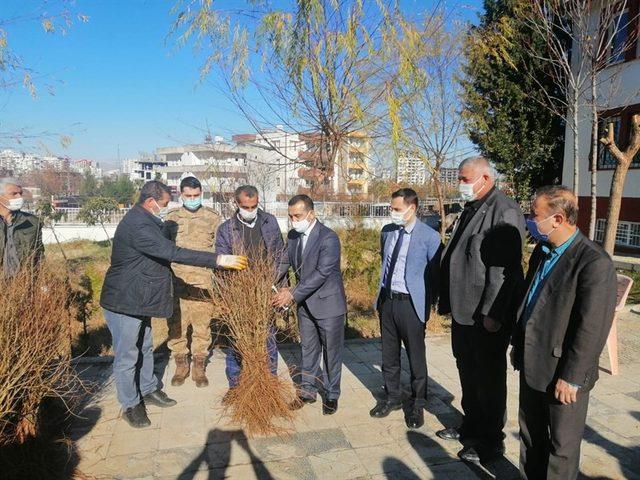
[[105, 232], [594, 158], [576, 144], [615, 201], [440, 199], [623, 162]]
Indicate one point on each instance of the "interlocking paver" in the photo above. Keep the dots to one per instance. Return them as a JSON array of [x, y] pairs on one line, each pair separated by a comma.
[[196, 439]]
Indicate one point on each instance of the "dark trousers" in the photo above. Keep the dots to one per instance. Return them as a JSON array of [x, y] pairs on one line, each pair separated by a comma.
[[400, 324], [481, 358], [320, 339], [550, 434]]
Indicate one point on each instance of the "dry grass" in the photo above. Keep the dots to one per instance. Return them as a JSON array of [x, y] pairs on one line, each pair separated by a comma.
[[36, 312], [260, 401]]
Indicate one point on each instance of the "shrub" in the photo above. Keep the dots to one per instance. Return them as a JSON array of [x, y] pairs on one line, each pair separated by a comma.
[[243, 300], [35, 358]]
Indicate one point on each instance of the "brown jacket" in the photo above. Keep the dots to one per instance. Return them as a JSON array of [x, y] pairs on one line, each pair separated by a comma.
[[196, 231]]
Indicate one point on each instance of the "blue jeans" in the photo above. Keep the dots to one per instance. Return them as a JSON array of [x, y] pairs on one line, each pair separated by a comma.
[[233, 361], [133, 357]]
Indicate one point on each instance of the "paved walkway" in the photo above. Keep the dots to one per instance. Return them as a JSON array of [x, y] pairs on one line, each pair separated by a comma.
[[195, 440]]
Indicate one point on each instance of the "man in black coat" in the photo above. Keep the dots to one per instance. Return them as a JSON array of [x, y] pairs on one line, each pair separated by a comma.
[[480, 271], [568, 303], [138, 286]]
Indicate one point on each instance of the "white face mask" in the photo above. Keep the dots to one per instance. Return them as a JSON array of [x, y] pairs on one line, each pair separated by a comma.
[[302, 226], [15, 204], [398, 217], [248, 215], [162, 211], [466, 190]]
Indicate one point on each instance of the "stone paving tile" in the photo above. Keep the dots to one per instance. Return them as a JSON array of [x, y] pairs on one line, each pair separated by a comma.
[[196, 440]]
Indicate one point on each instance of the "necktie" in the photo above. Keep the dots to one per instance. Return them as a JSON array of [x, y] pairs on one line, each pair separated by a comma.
[[392, 262], [299, 252]]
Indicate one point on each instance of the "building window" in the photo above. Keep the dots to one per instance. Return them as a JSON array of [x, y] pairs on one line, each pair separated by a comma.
[[620, 29], [628, 233], [621, 119]]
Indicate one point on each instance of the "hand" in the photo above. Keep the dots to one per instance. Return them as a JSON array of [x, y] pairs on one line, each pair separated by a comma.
[[282, 298], [490, 324], [565, 392], [232, 262]]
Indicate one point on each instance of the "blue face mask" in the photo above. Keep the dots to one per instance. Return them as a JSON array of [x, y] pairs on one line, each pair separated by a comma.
[[537, 235], [192, 205]]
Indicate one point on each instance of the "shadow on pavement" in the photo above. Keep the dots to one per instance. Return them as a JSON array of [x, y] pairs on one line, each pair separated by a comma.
[[218, 460]]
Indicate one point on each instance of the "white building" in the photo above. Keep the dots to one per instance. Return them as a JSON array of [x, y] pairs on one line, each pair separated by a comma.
[[620, 97], [411, 170], [142, 169], [20, 163]]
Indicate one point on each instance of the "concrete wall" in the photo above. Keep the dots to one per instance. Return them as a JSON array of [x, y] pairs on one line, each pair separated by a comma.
[[68, 232]]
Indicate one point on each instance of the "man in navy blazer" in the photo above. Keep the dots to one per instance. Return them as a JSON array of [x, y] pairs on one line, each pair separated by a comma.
[[313, 251], [408, 280]]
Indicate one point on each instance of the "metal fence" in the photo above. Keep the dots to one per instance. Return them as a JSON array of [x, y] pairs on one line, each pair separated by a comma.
[[279, 209]]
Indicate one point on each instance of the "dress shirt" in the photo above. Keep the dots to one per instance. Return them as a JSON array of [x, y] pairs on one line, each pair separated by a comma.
[[398, 283]]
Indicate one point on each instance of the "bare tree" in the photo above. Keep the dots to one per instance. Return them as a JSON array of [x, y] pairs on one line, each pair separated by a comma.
[[610, 42], [322, 69], [430, 119], [623, 158]]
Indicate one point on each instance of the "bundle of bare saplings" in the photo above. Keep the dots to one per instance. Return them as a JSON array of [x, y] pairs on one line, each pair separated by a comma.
[[35, 353], [260, 401]]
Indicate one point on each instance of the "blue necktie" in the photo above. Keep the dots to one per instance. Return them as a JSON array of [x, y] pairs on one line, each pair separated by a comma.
[[392, 263]]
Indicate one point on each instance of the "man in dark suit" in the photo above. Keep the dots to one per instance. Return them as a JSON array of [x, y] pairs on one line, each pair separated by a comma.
[[408, 248], [480, 271], [313, 250], [138, 286], [568, 303]]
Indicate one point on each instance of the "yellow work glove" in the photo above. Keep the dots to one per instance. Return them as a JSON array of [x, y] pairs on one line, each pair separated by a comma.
[[232, 262]]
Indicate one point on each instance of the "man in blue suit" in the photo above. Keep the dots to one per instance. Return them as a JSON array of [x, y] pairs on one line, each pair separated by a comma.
[[313, 250], [408, 280]]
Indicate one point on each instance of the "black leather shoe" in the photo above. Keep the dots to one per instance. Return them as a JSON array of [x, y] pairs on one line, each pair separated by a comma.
[[159, 399], [384, 408], [330, 407], [469, 454], [137, 416], [301, 402], [415, 419], [449, 434]]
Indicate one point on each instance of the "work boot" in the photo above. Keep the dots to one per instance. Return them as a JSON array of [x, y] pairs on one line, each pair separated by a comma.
[[198, 374], [182, 370]]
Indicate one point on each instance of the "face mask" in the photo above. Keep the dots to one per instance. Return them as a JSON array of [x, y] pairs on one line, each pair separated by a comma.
[[248, 215], [192, 204], [466, 190], [15, 204], [162, 211], [537, 235], [398, 217], [303, 225]]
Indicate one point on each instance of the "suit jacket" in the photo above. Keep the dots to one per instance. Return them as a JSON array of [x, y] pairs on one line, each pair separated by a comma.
[[319, 280], [485, 266], [420, 274], [571, 319]]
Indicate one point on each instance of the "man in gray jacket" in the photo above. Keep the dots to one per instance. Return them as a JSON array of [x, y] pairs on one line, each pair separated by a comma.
[[480, 270], [313, 250], [138, 286]]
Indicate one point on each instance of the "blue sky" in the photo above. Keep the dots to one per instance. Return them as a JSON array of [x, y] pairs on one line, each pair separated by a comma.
[[118, 82]]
